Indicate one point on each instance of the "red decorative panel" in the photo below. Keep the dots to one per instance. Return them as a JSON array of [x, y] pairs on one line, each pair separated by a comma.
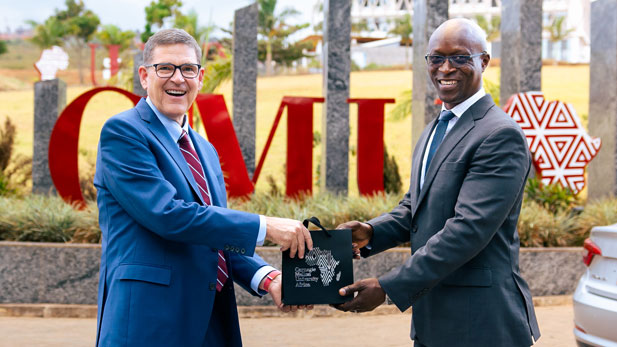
[[560, 145]]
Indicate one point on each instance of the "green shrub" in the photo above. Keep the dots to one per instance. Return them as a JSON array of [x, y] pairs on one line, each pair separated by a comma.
[[539, 227], [47, 219], [601, 212], [15, 170], [40, 218], [391, 177], [552, 197], [331, 209]]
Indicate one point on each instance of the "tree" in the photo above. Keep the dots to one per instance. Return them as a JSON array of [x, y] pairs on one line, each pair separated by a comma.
[[272, 27], [3, 48], [491, 27], [359, 26], [156, 14], [112, 35], [404, 29], [190, 24], [47, 34], [282, 53], [80, 25], [558, 31]]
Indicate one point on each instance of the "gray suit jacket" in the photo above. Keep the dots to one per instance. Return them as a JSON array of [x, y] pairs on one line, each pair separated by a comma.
[[463, 277]]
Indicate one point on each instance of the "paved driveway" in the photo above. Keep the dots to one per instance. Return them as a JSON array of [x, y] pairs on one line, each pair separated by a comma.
[[349, 330]]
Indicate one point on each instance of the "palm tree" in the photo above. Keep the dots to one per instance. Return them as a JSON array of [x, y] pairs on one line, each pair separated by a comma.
[[404, 28], [558, 32], [491, 27], [112, 35], [47, 34], [190, 24], [272, 27]]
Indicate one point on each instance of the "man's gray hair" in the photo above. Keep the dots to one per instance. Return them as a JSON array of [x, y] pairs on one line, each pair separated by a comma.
[[167, 37]]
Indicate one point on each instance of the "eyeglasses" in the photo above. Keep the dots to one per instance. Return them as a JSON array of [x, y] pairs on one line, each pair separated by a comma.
[[166, 70], [455, 60]]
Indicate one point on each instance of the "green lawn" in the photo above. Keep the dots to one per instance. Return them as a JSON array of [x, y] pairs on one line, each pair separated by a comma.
[[566, 83]]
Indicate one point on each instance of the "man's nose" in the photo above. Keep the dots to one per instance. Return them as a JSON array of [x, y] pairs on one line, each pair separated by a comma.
[[446, 66], [177, 76]]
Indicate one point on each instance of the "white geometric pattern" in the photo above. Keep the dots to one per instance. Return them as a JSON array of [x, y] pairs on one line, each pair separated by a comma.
[[560, 146], [325, 262]]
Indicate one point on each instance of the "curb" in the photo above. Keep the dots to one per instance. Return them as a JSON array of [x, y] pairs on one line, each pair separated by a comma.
[[90, 311]]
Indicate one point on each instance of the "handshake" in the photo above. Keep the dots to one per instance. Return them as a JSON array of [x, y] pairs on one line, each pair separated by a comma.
[[293, 236]]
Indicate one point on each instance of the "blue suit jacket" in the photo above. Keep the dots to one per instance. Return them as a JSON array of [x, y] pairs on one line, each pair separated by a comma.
[[159, 247]]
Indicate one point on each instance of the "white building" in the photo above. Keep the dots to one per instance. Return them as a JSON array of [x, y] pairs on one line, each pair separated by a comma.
[[573, 49]]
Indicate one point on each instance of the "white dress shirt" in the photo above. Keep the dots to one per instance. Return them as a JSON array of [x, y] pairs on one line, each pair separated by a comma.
[[458, 111]]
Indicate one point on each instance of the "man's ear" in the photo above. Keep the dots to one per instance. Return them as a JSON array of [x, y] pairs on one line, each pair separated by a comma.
[[202, 71], [143, 77], [486, 58]]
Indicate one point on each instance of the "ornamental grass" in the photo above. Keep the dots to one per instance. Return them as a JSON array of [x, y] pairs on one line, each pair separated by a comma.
[[38, 218]]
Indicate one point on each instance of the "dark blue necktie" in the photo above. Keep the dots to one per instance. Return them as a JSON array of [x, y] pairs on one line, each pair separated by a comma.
[[442, 125]]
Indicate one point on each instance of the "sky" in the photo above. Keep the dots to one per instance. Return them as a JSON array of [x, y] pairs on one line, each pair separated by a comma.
[[130, 14]]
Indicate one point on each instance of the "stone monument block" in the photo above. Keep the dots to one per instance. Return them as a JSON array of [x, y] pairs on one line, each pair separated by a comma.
[[521, 44], [245, 81], [138, 60], [335, 117], [49, 100], [602, 173], [427, 16]]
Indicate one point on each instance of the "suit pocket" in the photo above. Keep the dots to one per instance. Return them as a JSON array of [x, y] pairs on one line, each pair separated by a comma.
[[470, 277], [145, 273]]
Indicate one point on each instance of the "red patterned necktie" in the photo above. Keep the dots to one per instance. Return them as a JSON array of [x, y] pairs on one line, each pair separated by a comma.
[[197, 170]]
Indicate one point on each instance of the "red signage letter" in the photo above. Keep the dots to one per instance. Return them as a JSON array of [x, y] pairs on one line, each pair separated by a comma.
[[63, 145], [370, 144]]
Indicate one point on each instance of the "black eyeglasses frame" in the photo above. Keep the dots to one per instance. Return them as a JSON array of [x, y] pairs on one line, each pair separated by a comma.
[[179, 67]]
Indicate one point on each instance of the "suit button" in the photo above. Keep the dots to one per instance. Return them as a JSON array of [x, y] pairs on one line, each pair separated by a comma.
[[226, 247], [242, 251], [414, 228], [237, 250], [212, 286]]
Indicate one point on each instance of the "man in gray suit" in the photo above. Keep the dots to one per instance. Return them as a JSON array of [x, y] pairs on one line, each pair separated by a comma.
[[468, 175]]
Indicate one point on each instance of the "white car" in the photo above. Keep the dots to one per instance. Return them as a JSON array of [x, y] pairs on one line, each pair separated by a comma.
[[595, 298]]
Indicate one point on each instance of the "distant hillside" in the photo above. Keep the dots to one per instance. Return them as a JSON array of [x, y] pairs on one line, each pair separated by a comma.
[[17, 65], [21, 55]]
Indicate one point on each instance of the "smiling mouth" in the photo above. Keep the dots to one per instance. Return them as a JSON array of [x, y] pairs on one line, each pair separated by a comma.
[[448, 82], [175, 92]]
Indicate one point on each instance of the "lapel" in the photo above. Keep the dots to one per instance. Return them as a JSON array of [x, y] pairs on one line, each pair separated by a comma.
[[158, 130], [215, 193], [465, 123]]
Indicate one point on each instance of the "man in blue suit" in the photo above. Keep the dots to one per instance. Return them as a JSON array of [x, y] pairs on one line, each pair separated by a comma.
[[171, 249]]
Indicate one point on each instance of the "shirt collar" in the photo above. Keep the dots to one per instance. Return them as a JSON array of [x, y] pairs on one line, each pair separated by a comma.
[[173, 128], [459, 109]]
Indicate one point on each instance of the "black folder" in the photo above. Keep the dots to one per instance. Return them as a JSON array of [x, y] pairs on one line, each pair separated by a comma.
[[325, 269]]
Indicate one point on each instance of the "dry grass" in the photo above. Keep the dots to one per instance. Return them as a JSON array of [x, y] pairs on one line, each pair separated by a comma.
[[566, 83]]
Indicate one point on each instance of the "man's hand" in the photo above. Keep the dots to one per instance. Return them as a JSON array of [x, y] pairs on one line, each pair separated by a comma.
[[361, 234], [289, 234], [275, 291], [370, 295]]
